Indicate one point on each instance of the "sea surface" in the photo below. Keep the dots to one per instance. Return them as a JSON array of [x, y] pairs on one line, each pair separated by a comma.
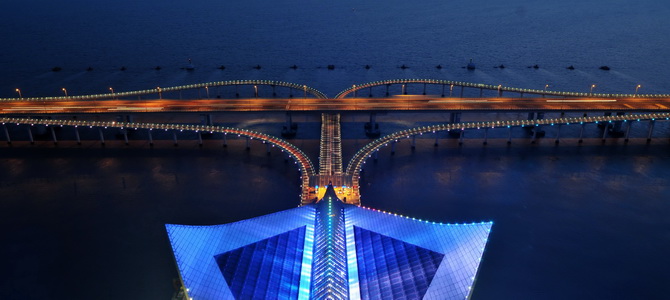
[[573, 221]]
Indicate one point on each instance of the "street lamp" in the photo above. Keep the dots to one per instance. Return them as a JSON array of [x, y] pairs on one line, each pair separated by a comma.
[[499, 91], [592, 86], [207, 90], [19, 91], [637, 88], [64, 91], [545, 87], [304, 88], [160, 93], [354, 88], [451, 89], [256, 91]]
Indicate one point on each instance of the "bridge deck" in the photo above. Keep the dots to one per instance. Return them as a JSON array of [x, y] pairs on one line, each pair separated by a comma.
[[399, 103]]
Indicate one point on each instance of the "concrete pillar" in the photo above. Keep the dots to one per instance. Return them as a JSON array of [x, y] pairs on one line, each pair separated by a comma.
[[437, 136], [605, 131], [443, 91], [581, 133], [393, 147], [30, 135], [199, 138], [486, 135], [248, 146], [370, 92], [462, 87], [53, 135], [627, 131], [481, 92], [9, 140], [617, 124], [102, 138], [424, 88], [532, 140], [225, 140], [151, 138], [174, 137], [558, 134], [413, 141], [376, 154], [455, 117], [460, 137], [387, 90], [651, 130], [76, 135], [125, 136]]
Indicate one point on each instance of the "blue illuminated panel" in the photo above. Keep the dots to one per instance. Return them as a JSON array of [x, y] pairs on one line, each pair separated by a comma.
[[268, 269], [392, 269]]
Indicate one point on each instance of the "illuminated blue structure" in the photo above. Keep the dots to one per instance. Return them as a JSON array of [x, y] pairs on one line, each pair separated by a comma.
[[329, 250]]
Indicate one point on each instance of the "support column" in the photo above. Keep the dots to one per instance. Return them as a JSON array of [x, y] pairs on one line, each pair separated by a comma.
[[393, 147], [290, 129], [481, 92], [248, 146], [558, 134], [627, 131], [225, 140], [372, 128], [376, 154], [30, 136], [267, 147], [199, 138], [387, 90], [53, 135], [174, 138], [581, 133], [76, 134], [437, 136], [424, 88], [455, 117], [486, 135], [413, 141], [460, 138], [102, 138], [651, 130], [443, 91], [462, 87], [125, 136], [151, 139], [605, 128], [9, 140], [532, 140]]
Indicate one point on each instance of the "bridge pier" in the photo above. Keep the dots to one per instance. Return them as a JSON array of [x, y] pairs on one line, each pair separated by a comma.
[[460, 137], [462, 88], [414, 142], [455, 117], [605, 129], [486, 135], [581, 133], [625, 140], [393, 147], [30, 135], [53, 135], [437, 136], [370, 92], [372, 127], [267, 148], [558, 134], [225, 139], [443, 91], [102, 137], [387, 90], [174, 138], [207, 119], [424, 88], [76, 135], [481, 92], [125, 136], [274, 93], [376, 154], [199, 139], [151, 139], [247, 147], [9, 140], [290, 129], [651, 130]]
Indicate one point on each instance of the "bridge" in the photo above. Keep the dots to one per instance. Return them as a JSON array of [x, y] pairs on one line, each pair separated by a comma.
[[331, 171]]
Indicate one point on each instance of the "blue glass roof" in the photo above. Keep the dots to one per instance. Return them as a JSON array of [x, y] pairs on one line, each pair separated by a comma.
[[392, 269], [268, 269]]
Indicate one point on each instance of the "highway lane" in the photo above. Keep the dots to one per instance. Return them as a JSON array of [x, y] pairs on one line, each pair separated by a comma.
[[407, 103]]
